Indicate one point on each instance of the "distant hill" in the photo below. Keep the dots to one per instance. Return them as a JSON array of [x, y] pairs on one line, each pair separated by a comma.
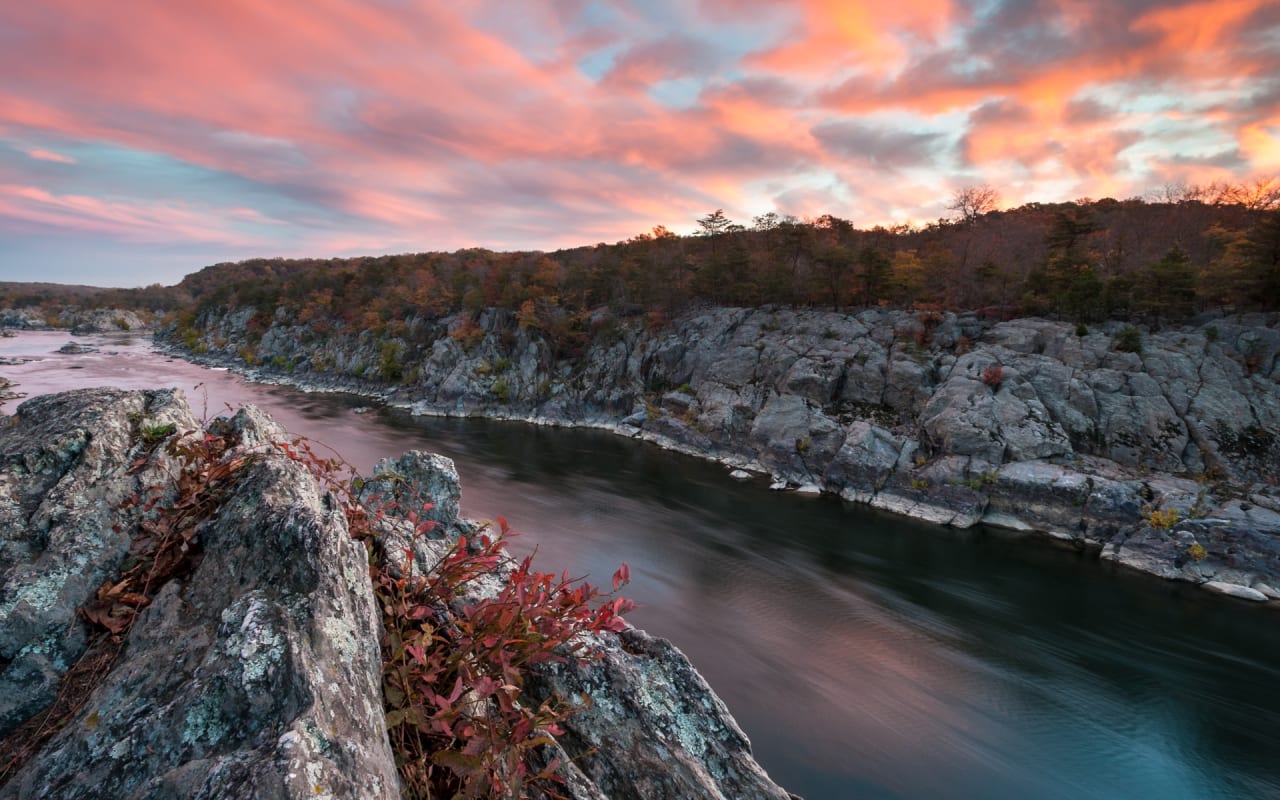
[[1083, 260]]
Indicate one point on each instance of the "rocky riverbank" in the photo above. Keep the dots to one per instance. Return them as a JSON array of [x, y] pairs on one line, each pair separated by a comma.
[[1160, 451], [80, 321], [255, 671]]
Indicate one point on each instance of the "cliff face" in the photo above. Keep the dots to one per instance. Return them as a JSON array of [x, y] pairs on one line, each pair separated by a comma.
[[1162, 453], [80, 321], [254, 669]]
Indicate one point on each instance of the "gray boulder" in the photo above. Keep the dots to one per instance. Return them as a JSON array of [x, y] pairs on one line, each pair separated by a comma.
[[655, 726]]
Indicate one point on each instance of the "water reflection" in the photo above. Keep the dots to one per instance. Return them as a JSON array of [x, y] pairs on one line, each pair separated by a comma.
[[866, 656]]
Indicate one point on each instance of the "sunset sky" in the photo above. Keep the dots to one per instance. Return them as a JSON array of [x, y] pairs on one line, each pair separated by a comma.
[[143, 139]]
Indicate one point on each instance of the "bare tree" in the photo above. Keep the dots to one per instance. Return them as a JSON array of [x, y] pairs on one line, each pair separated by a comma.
[[1261, 193], [973, 201]]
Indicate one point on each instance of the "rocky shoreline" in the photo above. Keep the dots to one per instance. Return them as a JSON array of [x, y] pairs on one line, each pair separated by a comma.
[[79, 321], [255, 670], [1164, 458]]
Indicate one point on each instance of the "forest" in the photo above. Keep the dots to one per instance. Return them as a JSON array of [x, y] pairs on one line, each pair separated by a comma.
[[1087, 260]]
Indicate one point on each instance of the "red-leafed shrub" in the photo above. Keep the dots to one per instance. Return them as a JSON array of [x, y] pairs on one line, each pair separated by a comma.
[[993, 376], [454, 667]]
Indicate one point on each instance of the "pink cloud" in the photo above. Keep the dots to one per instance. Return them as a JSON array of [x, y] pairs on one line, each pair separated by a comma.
[[455, 124], [135, 222], [46, 155]]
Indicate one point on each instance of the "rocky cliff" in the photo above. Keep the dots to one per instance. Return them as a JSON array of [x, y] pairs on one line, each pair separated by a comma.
[[247, 662], [79, 320], [1160, 450]]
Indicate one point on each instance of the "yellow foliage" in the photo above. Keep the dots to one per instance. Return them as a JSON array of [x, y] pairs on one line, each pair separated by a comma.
[[1160, 520]]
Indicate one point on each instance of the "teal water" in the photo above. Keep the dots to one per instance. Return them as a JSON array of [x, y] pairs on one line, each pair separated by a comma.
[[866, 656]]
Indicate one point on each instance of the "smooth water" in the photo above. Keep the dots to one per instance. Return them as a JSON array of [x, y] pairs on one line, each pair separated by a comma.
[[866, 656]]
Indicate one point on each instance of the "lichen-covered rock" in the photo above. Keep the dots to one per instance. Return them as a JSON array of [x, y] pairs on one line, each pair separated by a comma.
[[652, 726], [63, 478], [414, 479], [257, 676]]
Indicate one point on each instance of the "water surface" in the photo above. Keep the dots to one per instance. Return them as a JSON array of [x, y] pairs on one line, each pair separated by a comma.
[[866, 656]]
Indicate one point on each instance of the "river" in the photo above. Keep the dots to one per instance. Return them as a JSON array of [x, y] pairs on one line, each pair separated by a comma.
[[866, 656]]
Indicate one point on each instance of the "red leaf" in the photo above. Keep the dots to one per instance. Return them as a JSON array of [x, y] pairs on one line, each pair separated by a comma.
[[622, 576], [417, 652]]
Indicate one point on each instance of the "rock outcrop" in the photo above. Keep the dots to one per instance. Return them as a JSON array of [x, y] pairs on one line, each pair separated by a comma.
[[6, 388], [257, 673], [256, 676], [80, 320], [950, 418]]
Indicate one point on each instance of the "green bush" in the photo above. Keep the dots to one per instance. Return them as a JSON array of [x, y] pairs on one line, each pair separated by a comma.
[[1129, 340], [390, 367], [502, 390]]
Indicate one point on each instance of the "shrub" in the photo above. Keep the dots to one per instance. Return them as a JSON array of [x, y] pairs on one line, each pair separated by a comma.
[[454, 667], [121, 323], [468, 333], [390, 367], [1197, 552], [1129, 340], [153, 433], [501, 390], [1082, 330], [981, 481], [1160, 520], [993, 376]]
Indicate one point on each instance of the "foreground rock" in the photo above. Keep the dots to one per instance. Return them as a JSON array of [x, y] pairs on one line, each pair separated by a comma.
[[258, 674], [948, 418]]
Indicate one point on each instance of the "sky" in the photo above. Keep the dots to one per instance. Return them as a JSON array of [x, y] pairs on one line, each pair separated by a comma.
[[143, 139]]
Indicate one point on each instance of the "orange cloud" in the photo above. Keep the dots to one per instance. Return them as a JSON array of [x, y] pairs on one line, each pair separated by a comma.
[[1260, 143], [870, 36], [1201, 27]]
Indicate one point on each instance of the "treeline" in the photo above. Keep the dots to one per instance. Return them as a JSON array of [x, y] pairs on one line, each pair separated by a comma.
[[154, 298], [1084, 260]]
